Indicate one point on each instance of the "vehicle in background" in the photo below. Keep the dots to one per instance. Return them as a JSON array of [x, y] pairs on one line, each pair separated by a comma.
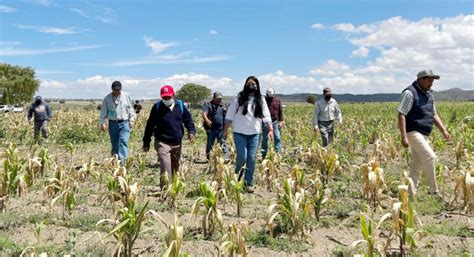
[[18, 108], [5, 108]]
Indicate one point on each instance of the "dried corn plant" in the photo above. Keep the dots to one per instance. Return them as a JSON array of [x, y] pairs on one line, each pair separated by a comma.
[[212, 216], [268, 172], [370, 228], [465, 188], [233, 242], [292, 209], [373, 182], [324, 160], [128, 220]]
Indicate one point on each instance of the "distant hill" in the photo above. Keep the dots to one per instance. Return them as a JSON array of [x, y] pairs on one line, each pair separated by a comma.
[[454, 94]]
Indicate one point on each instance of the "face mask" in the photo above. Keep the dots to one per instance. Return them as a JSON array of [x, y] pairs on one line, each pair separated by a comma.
[[169, 102], [251, 89], [327, 97], [38, 102]]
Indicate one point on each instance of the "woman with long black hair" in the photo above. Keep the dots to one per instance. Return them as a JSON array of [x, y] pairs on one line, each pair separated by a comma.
[[247, 112]]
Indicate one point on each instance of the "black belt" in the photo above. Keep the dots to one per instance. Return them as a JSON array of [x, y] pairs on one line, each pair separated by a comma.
[[118, 121]]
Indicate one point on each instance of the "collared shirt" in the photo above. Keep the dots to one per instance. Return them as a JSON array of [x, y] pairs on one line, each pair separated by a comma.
[[326, 111], [247, 124], [120, 108], [406, 102]]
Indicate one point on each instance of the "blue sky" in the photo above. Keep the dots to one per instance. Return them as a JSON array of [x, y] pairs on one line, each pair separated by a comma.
[[79, 47]]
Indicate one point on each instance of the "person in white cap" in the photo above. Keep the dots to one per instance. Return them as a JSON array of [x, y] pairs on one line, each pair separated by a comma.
[[276, 112], [325, 112], [416, 116]]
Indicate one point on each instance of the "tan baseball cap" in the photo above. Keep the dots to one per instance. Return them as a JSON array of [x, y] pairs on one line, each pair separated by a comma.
[[427, 73]]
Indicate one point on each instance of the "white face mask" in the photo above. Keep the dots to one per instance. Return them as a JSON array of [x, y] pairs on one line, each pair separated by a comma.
[[169, 102]]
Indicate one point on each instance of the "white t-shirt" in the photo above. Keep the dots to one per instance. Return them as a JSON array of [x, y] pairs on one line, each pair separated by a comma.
[[247, 124]]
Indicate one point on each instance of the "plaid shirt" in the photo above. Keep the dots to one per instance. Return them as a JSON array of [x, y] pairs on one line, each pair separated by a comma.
[[276, 111]]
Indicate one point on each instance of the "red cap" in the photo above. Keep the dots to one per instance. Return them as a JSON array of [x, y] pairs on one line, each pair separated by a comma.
[[167, 91]]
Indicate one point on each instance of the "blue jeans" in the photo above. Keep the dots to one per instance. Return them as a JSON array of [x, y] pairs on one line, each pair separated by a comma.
[[246, 148], [213, 135], [119, 134], [276, 138]]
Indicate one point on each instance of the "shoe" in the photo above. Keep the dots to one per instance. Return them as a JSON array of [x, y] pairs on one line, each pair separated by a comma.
[[250, 190], [437, 195]]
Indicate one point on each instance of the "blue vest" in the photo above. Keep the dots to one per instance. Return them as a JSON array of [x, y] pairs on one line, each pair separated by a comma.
[[420, 117]]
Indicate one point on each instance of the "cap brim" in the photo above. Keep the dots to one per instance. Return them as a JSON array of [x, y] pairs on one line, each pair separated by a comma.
[[166, 94]]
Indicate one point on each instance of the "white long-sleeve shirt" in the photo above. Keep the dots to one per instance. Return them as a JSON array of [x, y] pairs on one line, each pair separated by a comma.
[[247, 124], [326, 111]]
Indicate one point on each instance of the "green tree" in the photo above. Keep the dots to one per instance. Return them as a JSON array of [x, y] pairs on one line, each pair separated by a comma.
[[193, 93], [17, 84], [311, 99]]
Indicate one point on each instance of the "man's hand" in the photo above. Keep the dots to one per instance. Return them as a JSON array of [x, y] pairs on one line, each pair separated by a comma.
[[103, 127], [208, 122], [270, 135], [280, 124], [316, 129], [130, 124], [146, 149], [405, 142], [191, 137], [446, 135]]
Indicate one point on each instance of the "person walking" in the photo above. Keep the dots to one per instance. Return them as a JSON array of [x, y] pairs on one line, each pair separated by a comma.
[[42, 115], [117, 108], [416, 116], [137, 107], [165, 123], [325, 112], [276, 112], [246, 113], [213, 114]]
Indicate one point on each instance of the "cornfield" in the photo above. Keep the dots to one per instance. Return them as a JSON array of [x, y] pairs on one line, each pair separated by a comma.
[[353, 197]]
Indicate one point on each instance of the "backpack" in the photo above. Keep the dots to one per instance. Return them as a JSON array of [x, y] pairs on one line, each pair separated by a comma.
[[181, 107]]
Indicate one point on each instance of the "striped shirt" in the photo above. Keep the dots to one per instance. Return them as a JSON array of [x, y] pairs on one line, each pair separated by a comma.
[[326, 111], [406, 103], [116, 108]]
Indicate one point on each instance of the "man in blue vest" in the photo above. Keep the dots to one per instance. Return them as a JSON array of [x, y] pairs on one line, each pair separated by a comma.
[[166, 125], [213, 115], [416, 116]]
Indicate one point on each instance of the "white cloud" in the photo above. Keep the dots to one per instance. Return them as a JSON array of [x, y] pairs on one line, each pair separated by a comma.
[[330, 68], [53, 30], [287, 84], [6, 9], [138, 88], [213, 32], [9, 51], [104, 15], [157, 46], [361, 52], [166, 59], [317, 26], [41, 2], [401, 48]]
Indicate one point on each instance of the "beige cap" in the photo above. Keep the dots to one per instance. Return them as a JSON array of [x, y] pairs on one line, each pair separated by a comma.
[[427, 73]]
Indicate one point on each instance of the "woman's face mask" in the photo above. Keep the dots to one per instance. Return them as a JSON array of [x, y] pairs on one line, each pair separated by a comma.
[[168, 102]]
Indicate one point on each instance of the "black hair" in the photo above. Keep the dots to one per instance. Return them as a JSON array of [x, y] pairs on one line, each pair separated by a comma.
[[243, 98]]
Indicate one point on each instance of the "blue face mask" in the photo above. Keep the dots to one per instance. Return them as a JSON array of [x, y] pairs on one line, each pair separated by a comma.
[[169, 102]]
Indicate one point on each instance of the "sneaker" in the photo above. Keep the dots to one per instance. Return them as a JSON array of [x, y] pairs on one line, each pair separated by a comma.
[[250, 190]]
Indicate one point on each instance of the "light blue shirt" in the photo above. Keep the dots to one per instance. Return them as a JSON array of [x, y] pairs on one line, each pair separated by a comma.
[[117, 108]]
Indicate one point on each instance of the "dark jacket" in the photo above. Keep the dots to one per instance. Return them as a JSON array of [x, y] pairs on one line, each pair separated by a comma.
[[421, 116], [167, 125], [41, 111]]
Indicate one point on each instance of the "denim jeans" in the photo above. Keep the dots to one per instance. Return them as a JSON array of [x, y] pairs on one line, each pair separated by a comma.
[[119, 134], [276, 138], [326, 129], [246, 148], [213, 135]]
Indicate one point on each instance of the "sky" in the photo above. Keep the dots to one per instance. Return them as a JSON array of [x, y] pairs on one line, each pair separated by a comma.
[[78, 48]]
